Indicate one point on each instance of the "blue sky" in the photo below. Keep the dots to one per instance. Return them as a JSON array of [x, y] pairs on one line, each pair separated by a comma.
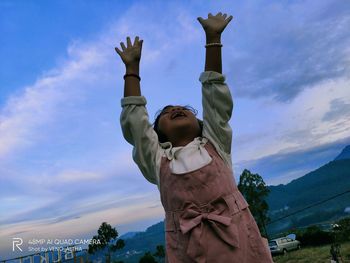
[[64, 165]]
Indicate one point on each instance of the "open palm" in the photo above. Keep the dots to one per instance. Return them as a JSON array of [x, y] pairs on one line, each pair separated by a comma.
[[130, 53], [215, 24]]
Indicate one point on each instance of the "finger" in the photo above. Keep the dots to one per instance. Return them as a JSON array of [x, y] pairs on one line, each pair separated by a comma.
[[224, 16], [219, 14], [128, 41], [229, 19], [123, 46], [118, 51], [136, 40], [200, 19], [210, 15]]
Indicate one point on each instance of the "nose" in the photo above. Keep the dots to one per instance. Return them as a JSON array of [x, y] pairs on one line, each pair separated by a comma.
[[176, 108]]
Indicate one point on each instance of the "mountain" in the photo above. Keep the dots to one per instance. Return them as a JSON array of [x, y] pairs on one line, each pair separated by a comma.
[[323, 183], [345, 154], [128, 235], [140, 243]]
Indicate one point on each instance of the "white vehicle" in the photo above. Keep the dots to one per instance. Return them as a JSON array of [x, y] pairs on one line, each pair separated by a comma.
[[283, 244]]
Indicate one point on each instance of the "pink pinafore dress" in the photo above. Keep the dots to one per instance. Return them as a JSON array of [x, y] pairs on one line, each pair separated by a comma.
[[207, 218]]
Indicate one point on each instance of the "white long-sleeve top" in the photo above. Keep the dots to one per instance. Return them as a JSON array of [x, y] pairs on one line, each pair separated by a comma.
[[147, 151]]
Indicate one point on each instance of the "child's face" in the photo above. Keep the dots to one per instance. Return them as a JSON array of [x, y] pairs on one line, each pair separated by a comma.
[[177, 120]]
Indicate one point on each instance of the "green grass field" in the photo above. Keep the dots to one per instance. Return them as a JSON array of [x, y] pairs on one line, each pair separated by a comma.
[[314, 255]]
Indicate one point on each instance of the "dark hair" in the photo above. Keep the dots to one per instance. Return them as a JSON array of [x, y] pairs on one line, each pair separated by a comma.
[[161, 136]]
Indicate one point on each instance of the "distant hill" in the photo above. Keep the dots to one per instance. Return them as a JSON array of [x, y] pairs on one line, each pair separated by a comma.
[[140, 243], [345, 154], [128, 235], [329, 180]]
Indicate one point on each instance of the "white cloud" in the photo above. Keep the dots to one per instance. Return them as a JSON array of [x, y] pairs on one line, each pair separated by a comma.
[[24, 116], [76, 176], [291, 126], [283, 54]]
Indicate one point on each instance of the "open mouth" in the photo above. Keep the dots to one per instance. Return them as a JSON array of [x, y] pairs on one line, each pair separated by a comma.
[[177, 114]]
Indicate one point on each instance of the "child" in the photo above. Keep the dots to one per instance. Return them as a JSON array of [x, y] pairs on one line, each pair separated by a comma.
[[206, 217]]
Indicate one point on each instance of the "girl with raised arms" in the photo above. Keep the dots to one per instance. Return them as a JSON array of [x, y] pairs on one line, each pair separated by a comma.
[[206, 218]]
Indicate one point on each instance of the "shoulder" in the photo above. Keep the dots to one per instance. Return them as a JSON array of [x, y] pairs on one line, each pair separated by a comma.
[[213, 147]]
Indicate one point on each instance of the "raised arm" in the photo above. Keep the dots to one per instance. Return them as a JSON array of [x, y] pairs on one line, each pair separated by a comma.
[[131, 56], [213, 27], [216, 100], [134, 120]]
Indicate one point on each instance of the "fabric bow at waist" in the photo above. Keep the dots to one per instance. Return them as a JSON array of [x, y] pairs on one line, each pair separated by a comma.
[[213, 217]]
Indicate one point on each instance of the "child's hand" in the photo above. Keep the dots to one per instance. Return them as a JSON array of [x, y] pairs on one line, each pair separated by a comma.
[[131, 54], [214, 25]]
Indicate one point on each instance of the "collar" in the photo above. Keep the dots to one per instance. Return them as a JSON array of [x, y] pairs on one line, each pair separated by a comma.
[[172, 152]]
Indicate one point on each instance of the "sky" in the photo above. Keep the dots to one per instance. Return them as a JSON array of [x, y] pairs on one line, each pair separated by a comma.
[[64, 165]]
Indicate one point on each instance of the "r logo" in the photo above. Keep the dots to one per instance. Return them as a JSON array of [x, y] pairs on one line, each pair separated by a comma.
[[16, 242]]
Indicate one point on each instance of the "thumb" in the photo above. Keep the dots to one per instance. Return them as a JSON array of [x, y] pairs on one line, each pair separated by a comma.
[[200, 20]]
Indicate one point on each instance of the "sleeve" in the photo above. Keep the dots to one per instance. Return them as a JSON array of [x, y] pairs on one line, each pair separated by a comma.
[[138, 131], [217, 110]]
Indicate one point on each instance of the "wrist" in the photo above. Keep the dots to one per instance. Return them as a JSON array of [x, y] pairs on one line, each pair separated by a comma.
[[132, 68], [213, 38]]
